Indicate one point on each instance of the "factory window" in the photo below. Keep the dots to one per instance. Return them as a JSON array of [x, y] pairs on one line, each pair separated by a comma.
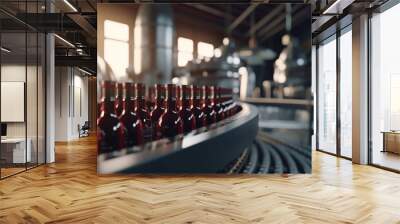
[[116, 47], [205, 50], [185, 51]]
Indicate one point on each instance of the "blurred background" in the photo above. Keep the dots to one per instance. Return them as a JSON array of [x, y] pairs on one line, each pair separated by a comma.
[[261, 51]]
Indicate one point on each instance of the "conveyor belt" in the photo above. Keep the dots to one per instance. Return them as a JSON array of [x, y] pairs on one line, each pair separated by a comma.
[[252, 163], [265, 159], [269, 155]]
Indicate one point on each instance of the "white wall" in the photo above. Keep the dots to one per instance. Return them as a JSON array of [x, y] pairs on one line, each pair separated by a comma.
[[70, 83]]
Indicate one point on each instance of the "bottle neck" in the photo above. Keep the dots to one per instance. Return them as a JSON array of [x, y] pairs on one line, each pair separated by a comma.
[[197, 102], [171, 103], [128, 105], [216, 100], [160, 102], [108, 106], [186, 104], [209, 101], [141, 102]]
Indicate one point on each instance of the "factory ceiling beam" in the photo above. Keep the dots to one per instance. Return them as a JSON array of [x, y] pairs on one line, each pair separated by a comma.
[[297, 18], [82, 61], [84, 24], [337, 7], [242, 17], [15, 18], [271, 15], [91, 5], [210, 10], [276, 22]]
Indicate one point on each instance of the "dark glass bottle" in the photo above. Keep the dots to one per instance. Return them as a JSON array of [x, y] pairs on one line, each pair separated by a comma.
[[118, 99], [222, 100], [211, 115], [227, 102], [151, 98], [198, 107], [142, 112], [131, 122], [170, 123], [233, 107], [178, 97], [159, 109], [185, 111], [110, 133], [217, 104]]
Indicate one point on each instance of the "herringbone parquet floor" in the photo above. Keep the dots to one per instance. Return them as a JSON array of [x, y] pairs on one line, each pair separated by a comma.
[[69, 191]]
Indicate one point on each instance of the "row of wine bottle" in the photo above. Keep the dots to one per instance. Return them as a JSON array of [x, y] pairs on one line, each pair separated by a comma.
[[127, 118]]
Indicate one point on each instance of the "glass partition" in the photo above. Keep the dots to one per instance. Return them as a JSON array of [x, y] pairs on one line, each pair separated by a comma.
[[41, 91], [385, 89], [31, 97], [327, 96], [14, 153], [346, 93], [22, 93]]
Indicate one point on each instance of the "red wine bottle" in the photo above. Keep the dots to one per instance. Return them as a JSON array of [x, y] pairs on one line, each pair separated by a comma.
[[211, 115], [178, 97], [197, 109], [118, 99], [170, 124], [185, 111], [159, 109], [227, 102], [142, 112], [217, 104], [110, 133], [151, 98], [233, 107], [131, 122], [222, 100]]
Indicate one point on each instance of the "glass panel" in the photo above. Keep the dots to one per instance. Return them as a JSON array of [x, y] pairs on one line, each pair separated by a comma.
[[346, 94], [31, 88], [41, 99], [385, 84], [13, 87], [314, 90], [31, 98], [327, 96]]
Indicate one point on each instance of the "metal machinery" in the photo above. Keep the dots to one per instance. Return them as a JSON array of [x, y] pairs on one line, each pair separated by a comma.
[[154, 33]]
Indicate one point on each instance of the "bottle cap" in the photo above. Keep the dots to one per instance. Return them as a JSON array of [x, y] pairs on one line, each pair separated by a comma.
[[160, 91], [128, 90], [171, 91], [186, 92], [141, 90], [108, 90]]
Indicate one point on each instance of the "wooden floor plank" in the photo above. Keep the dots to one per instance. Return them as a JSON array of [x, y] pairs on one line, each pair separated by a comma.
[[69, 191]]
